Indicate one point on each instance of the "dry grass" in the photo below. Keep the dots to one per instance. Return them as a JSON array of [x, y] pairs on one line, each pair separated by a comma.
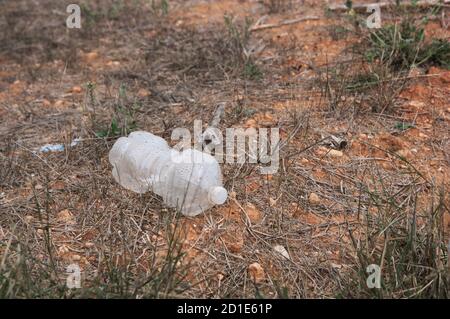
[[377, 203]]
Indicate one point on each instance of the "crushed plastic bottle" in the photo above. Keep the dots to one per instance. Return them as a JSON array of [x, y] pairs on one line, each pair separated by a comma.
[[190, 181]]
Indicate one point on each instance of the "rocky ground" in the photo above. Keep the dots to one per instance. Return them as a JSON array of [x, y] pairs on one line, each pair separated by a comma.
[[308, 231]]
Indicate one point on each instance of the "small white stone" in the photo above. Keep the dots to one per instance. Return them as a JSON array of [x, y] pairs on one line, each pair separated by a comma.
[[282, 251], [335, 153]]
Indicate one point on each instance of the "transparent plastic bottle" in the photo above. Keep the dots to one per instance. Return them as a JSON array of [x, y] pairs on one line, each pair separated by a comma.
[[190, 181]]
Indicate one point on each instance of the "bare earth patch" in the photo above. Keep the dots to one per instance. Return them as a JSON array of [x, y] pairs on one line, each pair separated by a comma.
[[308, 231]]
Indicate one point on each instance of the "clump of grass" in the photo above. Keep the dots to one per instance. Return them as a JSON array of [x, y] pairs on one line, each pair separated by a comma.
[[403, 126], [402, 46], [386, 55], [374, 87], [160, 7], [18, 275], [238, 35], [349, 4], [26, 274], [437, 53], [405, 241], [238, 40], [112, 130], [252, 71], [124, 118], [91, 15], [276, 6], [22, 275]]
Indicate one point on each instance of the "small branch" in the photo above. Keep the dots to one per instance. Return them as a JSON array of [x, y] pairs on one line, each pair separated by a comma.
[[257, 27], [363, 7]]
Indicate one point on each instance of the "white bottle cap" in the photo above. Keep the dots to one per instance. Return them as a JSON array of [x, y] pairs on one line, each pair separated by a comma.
[[218, 195]]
